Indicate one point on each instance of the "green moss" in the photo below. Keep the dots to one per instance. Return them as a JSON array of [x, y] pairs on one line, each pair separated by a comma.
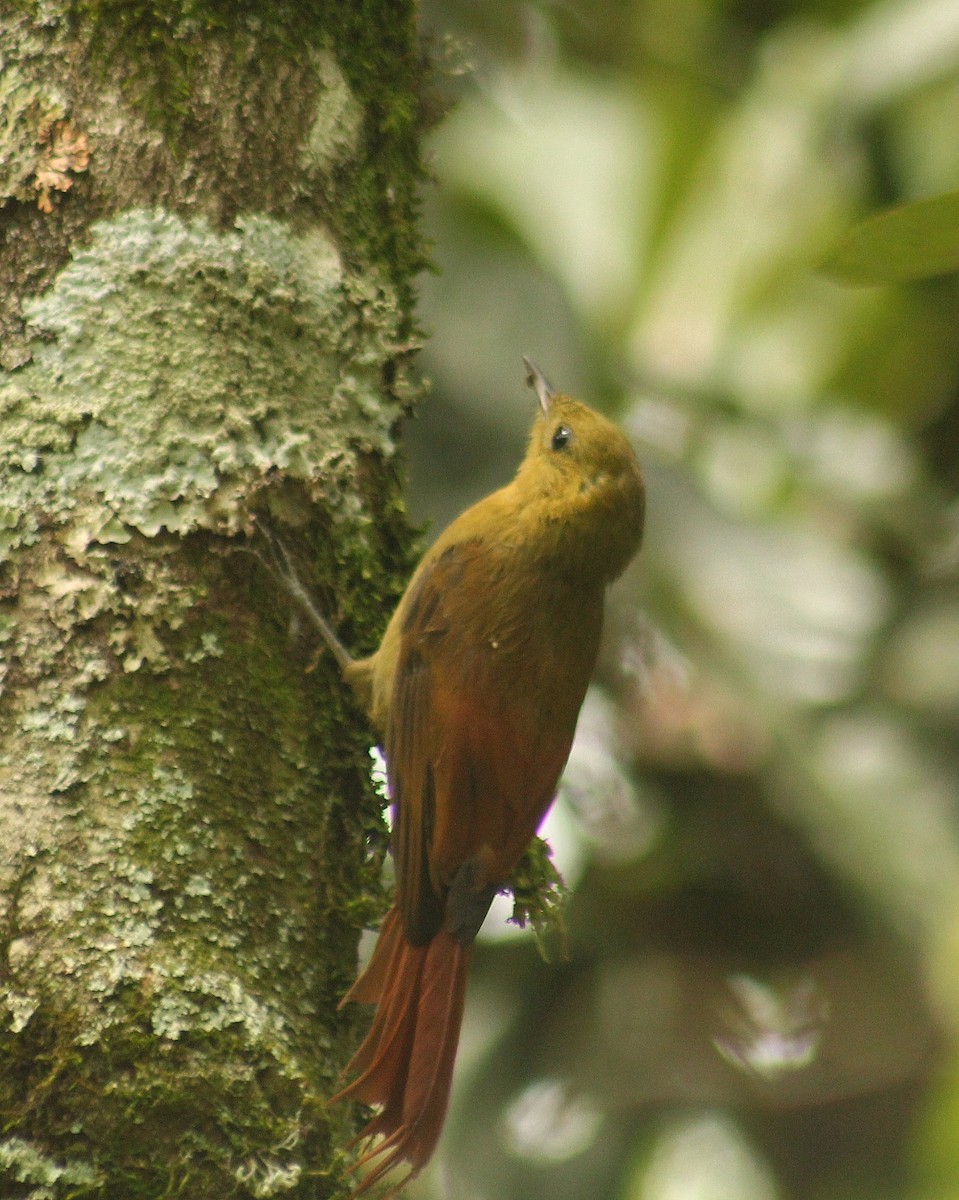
[[373, 197], [164, 44], [226, 1110], [197, 991], [375, 43], [539, 897]]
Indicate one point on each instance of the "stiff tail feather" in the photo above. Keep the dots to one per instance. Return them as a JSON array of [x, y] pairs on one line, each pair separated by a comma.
[[405, 1063]]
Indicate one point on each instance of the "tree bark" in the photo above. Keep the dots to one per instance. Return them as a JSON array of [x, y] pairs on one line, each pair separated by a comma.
[[207, 214]]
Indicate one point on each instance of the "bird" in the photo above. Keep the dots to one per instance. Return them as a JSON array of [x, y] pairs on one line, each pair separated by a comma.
[[475, 689]]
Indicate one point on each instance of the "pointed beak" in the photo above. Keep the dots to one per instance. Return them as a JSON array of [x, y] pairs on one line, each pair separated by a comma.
[[537, 380]]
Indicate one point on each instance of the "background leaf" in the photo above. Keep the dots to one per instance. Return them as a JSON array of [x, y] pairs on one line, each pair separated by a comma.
[[913, 241]]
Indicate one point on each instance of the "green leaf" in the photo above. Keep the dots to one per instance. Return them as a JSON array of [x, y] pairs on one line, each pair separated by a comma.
[[912, 241]]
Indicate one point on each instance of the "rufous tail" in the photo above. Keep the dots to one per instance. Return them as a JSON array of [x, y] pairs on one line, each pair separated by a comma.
[[405, 1064]]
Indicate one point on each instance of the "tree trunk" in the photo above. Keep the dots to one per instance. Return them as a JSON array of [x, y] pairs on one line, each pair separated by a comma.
[[208, 237]]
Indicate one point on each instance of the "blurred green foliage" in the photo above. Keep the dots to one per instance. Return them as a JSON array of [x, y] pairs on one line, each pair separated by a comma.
[[912, 241], [760, 819]]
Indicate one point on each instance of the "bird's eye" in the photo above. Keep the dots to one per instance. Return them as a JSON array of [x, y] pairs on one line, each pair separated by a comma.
[[562, 437]]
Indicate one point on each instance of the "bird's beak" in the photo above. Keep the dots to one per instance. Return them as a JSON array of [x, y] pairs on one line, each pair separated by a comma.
[[536, 379]]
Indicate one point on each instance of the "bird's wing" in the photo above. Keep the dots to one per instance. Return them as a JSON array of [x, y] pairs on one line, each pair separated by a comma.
[[473, 759]]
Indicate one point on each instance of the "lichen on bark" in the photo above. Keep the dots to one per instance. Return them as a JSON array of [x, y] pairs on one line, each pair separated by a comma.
[[167, 810], [180, 364], [186, 819]]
